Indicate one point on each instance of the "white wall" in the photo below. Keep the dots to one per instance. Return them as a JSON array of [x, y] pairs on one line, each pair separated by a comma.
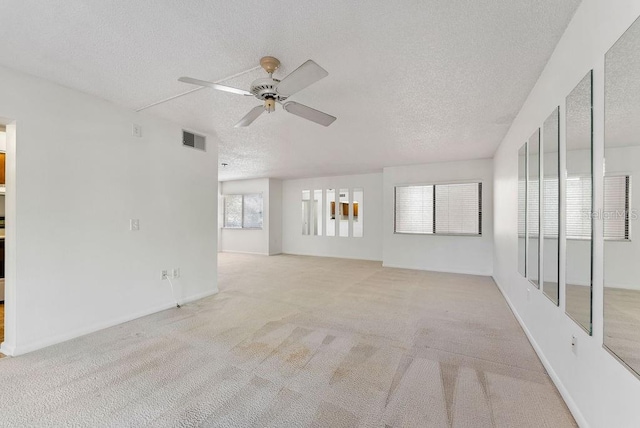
[[598, 389], [369, 247], [462, 254], [73, 266], [253, 241]]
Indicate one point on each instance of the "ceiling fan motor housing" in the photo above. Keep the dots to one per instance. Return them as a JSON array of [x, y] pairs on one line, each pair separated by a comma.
[[265, 88]]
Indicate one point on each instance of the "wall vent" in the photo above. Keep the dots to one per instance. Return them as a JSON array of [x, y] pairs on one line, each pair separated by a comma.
[[195, 141]]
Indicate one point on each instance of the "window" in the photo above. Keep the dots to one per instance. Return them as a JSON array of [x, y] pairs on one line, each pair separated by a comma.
[[243, 211], [616, 207], [578, 199], [448, 209]]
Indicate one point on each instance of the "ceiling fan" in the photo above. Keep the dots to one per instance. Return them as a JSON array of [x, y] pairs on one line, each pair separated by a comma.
[[272, 90]]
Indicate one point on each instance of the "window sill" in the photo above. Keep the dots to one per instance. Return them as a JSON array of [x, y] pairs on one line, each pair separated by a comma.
[[242, 228]]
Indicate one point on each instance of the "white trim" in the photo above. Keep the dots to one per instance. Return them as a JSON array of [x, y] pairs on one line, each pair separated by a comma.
[[331, 256], [458, 271], [23, 349], [573, 407], [256, 253]]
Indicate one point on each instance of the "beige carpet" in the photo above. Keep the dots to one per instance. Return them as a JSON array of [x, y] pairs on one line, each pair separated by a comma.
[[294, 342]]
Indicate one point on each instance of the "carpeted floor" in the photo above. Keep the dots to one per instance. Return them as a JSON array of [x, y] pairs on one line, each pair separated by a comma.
[[295, 341]]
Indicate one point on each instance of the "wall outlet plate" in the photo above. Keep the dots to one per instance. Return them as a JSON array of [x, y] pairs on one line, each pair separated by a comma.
[[175, 273], [136, 130], [134, 224], [574, 344], [165, 275]]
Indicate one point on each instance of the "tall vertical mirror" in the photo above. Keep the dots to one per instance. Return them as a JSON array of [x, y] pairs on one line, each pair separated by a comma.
[[522, 210], [358, 212], [331, 212], [621, 204], [343, 213], [551, 206], [306, 212], [533, 205], [579, 203]]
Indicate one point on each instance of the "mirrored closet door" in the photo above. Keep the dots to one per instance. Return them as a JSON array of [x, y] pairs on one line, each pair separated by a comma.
[[533, 211]]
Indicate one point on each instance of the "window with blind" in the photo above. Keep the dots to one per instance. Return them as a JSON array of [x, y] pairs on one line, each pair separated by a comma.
[[243, 211], [578, 197], [448, 209]]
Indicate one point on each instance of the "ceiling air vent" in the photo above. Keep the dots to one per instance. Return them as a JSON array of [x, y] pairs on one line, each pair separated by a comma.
[[196, 141]]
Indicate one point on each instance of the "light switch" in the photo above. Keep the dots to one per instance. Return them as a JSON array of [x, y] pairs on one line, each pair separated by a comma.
[[137, 130]]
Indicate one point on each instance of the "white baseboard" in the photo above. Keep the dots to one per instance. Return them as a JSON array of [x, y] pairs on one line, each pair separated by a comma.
[[460, 271], [573, 407], [23, 349], [244, 252]]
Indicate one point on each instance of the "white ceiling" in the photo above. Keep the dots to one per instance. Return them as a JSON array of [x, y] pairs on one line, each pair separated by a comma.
[[410, 81]]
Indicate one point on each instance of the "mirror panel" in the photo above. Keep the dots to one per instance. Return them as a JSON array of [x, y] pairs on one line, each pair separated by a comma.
[[343, 212], [358, 211], [533, 208], [317, 212], [331, 212], [621, 203], [578, 203], [306, 212], [522, 210], [551, 207]]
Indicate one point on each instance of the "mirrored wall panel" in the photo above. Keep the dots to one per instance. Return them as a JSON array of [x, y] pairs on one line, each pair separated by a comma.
[[522, 210], [331, 212], [578, 203], [533, 207], [551, 206], [622, 199], [312, 212], [358, 211], [306, 212], [343, 212]]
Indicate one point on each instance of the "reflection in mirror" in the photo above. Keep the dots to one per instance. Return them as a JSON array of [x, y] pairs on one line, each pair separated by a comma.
[[533, 205], [317, 212], [358, 197], [306, 212], [551, 206], [522, 210], [331, 212], [343, 212], [622, 163], [578, 203]]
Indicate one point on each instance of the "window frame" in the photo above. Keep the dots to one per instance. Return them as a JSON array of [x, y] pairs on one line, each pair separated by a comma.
[[480, 184], [242, 227]]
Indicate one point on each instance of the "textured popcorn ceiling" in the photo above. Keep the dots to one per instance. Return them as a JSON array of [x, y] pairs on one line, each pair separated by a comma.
[[410, 82]]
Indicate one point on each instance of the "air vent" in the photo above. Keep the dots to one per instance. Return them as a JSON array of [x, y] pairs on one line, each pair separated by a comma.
[[196, 141]]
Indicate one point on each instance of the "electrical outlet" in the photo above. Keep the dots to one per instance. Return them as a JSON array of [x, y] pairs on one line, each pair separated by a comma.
[[136, 130], [574, 344], [134, 224], [175, 273], [165, 275]]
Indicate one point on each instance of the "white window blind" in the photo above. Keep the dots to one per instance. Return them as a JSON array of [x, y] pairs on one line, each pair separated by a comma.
[[550, 198], [243, 211], [439, 209], [522, 207], [579, 207], [616, 207], [458, 209], [414, 209]]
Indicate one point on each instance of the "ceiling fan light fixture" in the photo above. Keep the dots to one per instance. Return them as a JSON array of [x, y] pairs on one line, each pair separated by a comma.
[[270, 105]]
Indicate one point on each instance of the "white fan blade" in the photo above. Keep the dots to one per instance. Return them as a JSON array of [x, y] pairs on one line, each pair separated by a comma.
[[250, 117], [308, 113], [214, 86], [300, 78]]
